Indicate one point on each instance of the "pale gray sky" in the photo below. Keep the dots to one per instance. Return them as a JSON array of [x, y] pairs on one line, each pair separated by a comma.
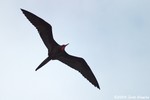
[[113, 36]]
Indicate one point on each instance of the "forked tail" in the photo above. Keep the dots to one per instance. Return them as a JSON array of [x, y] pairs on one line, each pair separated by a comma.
[[43, 63]]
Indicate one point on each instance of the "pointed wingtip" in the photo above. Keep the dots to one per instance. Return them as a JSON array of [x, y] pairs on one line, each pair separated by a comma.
[[96, 84], [98, 87], [21, 9], [24, 11]]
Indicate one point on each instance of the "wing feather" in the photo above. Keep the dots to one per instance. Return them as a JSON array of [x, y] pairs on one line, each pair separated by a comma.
[[44, 29], [80, 65]]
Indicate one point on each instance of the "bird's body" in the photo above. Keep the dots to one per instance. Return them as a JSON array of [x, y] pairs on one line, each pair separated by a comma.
[[56, 51]]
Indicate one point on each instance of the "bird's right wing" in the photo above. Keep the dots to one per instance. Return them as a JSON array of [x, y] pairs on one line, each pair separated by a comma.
[[80, 65], [44, 29]]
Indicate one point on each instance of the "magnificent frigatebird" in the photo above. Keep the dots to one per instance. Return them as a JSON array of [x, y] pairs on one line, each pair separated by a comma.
[[56, 51]]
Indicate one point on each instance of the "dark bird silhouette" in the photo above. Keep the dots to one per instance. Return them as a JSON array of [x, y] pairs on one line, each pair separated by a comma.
[[56, 51]]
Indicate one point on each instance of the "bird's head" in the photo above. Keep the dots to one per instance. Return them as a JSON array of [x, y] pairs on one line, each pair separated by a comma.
[[63, 46]]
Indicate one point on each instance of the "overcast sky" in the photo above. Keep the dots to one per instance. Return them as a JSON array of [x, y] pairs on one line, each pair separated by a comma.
[[113, 36]]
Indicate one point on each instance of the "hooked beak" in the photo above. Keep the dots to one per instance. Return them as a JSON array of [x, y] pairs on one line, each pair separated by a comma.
[[63, 46], [66, 44]]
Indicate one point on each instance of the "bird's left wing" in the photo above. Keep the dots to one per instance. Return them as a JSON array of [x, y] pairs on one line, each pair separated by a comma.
[[44, 29], [80, 65]]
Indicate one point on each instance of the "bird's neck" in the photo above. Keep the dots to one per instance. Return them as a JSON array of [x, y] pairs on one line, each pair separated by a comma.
[[62, 47]]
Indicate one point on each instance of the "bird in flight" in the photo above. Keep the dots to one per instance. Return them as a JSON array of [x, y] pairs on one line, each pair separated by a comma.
[[56, 51]]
